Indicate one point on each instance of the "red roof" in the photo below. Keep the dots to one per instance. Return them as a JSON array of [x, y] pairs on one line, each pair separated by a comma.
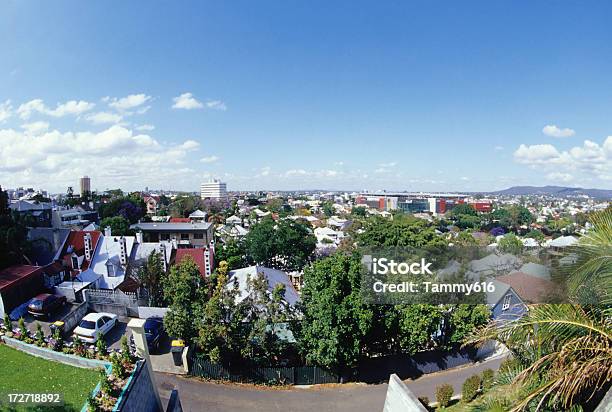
[[179, 220], [197, 254], [77, 242], [530, 288], [14, 275]]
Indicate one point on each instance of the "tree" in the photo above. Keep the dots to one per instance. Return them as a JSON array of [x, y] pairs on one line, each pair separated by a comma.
[[14, 246], [463, 319], [359, 211], [132, 208], [119, 225], [536, 235], [463, 209], [328, 209], [220, 334], [510, 244], [404, 230], [336, 320], [285, 245], [186, 292], [232, 252], [417, 324], [151, 276]]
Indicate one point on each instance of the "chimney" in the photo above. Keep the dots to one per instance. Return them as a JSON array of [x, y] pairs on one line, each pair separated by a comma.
[[123, 251], [88, 246], [139, 237], [163, 251], [107, 231]]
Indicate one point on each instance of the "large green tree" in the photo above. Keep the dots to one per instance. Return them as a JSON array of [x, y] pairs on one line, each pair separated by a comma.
[[336, 320], [152, 277], [119, 225], [186, 292], [283, 244]]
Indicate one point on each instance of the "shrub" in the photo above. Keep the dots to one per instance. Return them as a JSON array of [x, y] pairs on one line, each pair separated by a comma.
[[488, 375], [78, 346], [58, 341], [118, 367], [8, 325], [23, 331], [470, 388], [92, 403], [101, 345], [40, 336], [105, 384], [126, 354], [444, 393]]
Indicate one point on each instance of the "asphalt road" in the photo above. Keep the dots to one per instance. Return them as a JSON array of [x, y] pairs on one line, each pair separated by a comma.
[[201, 396]]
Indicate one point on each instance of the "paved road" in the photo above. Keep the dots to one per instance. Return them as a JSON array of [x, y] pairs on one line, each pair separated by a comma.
[[200, 396]]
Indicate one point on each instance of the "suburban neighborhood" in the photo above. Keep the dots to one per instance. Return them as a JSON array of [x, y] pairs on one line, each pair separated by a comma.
[[297, 206]]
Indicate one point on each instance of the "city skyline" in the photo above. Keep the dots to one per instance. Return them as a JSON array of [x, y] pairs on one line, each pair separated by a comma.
[[394, 97]]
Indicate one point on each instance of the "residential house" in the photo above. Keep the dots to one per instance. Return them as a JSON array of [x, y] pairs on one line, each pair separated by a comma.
[[110, 263], [152, 204], [78, 251], [76, 217], [203, 258], [531, 289], [192, 234], [36, 214], [198, 216], [273, 276], [505, 304], [18, 284]]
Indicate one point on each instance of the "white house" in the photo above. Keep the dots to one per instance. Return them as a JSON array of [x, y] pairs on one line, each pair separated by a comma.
[[273, 276]]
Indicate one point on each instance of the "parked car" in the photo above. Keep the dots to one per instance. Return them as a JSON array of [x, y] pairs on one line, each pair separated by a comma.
[[154, 332], [45, 304], [94, 324]]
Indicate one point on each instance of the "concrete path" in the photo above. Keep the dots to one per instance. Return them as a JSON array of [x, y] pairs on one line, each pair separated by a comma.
[[201, 396]]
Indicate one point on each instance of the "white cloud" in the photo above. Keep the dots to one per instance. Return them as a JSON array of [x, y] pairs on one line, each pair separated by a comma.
[[386, 165], [186, 101], [560, 177], [588, 161], [265, 171], [538, 153], [35, 128], [190, 145], [145, 127], [216, 105], [498, 148], [128, 102], [295, 172], [103, 118], [71, 107], [209, 159], [6, 111], [554, 131]]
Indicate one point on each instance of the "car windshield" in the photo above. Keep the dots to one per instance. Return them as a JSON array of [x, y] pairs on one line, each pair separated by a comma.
[[87, 324], [36, 304]]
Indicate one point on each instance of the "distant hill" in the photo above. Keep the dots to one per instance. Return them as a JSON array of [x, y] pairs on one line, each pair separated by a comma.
[[559, 191]]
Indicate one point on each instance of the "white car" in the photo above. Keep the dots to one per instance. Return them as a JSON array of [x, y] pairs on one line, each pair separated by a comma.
[[93, 324]]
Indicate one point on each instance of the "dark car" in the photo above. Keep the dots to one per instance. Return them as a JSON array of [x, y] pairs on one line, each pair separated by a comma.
[[45, 304], [154, 332]]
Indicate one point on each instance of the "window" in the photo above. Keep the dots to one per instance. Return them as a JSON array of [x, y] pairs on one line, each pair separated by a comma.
[[198, 235], [184, 236], [75, 262], [507, 300], [164, 236]]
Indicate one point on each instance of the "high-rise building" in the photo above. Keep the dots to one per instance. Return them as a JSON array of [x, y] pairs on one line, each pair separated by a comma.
[[215, 189], [85, 184]]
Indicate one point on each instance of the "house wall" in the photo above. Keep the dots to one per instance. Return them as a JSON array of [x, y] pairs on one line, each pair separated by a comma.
[[139, 395], [517, 308]]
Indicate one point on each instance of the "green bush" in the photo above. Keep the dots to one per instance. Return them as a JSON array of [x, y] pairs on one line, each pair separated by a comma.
[[470, 388], [424, 401], [488, 376], [101, 345], [444, 393]]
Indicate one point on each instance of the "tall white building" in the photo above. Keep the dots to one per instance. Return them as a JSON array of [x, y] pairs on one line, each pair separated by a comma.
[[214, 189]]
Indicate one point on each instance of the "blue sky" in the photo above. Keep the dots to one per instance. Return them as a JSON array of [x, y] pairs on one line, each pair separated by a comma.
[[303, 95]]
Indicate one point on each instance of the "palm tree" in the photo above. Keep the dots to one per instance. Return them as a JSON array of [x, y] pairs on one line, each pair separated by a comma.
[[566, 349]]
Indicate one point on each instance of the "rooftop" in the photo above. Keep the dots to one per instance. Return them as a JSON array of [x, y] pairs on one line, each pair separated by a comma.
[[171, 227]]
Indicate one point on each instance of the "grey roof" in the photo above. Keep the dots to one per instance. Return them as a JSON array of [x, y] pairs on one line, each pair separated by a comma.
[[143, 251], [501, 289], [47, 242], [25, 205], [171, 227]]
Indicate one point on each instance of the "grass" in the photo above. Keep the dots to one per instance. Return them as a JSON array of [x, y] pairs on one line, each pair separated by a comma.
[[23, 373], [481, 403]]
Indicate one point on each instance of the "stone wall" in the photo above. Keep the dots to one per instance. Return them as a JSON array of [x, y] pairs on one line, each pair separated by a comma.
[[74, 317], [400, 399], [55, 356]]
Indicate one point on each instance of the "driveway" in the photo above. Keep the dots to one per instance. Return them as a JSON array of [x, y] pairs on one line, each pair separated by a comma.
[[198, 395]]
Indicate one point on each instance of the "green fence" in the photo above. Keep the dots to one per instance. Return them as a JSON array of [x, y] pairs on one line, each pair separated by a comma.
[[295, 375]]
